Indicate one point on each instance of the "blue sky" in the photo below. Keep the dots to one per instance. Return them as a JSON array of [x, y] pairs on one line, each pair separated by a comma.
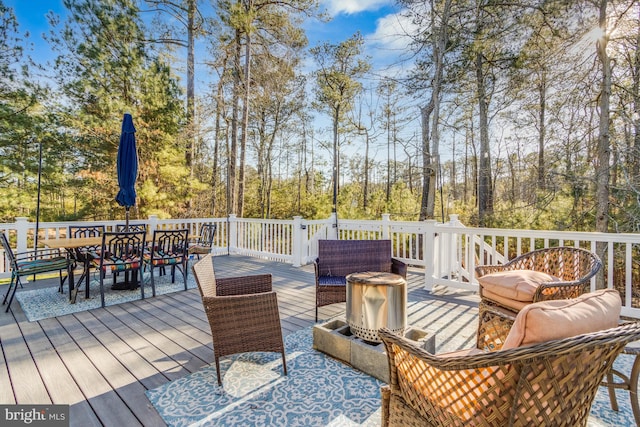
[[376, 19]]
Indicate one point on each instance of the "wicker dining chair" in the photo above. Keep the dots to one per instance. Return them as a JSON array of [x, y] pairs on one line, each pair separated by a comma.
[[541, 275], [242, 312], [548, 383]]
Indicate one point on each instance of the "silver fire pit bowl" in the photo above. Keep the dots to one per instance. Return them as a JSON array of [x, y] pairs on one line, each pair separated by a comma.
[[376, 300]]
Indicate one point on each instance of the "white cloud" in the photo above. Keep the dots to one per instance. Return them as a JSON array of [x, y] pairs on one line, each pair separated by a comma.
[[393, 32], [389, 44], [335, 7]]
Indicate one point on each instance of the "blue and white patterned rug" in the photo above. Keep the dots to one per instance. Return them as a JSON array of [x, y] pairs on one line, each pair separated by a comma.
[[601, 412], [319, 391], [47, 302]]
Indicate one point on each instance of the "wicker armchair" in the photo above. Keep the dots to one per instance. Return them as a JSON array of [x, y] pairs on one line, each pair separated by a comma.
[[547, 384], [242, 312], [571, 268]]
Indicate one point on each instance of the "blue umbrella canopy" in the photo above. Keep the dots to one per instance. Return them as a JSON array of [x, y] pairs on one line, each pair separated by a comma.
[[127, 165]]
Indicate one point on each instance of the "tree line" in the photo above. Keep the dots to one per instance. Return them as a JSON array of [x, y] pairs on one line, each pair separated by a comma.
[[511, 115]]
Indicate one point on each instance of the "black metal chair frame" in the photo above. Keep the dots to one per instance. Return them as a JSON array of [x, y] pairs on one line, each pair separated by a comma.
[[31, 263], [122, 228], [121, 252], [204, 240], [169, 249], [84, 254]]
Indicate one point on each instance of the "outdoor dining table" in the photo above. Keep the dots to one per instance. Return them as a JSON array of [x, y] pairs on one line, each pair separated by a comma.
[[71, 243]]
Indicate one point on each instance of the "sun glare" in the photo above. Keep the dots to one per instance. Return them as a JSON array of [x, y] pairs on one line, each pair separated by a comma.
[[594, 35]]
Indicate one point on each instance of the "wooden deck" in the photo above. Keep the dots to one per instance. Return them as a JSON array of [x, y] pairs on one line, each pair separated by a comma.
[[100, 362]]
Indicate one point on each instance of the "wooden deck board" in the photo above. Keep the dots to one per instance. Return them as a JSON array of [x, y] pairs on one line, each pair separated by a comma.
[[22, 366], [166, 368], [105, 402], [172, 352], [117, 376], [101, 361]]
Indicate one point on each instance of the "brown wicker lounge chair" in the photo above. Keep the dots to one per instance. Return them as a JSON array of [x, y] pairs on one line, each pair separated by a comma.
[[339, 258], [242, 312], [550, 383], [548, 274]]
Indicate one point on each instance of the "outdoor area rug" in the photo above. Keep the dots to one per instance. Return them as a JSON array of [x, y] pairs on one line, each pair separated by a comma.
[[319, 391], [601, 412], [47, 302]]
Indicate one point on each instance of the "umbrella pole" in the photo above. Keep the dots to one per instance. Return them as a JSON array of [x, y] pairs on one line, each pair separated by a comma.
[[126, 217]]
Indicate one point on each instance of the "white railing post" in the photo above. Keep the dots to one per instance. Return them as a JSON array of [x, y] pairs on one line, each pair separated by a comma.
[[429, 253], [296, 235], [153, 222], [22, 231], [332, 233], [386, 226], [233, 233], [305, 250]]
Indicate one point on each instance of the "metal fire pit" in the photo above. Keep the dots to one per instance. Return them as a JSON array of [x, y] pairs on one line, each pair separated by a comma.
[[376, 300]]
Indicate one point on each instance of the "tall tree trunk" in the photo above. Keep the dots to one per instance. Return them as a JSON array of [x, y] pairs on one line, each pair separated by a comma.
[[191, 132], [336, 160], [542, 93], [635, 149], [603, 153], [440, 39], [388, 195], [365, 190], [603, 148], [191, 6], [427, 169], [485, 192], [245, 123], [216, 146], [233, 155]]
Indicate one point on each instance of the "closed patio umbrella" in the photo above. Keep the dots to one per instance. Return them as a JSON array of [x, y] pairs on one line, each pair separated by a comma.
[[127, 166]]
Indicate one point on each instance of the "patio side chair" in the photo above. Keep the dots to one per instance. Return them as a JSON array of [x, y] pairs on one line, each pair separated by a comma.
[[547, 373], [121, 252], [204, 242], [242, 312], [84, 255], [121, 228], [168, 249], [541, 275], [31, 263]]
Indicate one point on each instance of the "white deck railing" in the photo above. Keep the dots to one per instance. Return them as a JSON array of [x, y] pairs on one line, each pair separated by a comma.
[[447, 252]]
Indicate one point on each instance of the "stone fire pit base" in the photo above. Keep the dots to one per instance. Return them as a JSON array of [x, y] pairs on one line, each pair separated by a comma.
[[335, 339]]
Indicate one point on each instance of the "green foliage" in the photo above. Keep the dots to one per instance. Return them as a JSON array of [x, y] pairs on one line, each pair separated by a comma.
[[106, 66], [105, 69]]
